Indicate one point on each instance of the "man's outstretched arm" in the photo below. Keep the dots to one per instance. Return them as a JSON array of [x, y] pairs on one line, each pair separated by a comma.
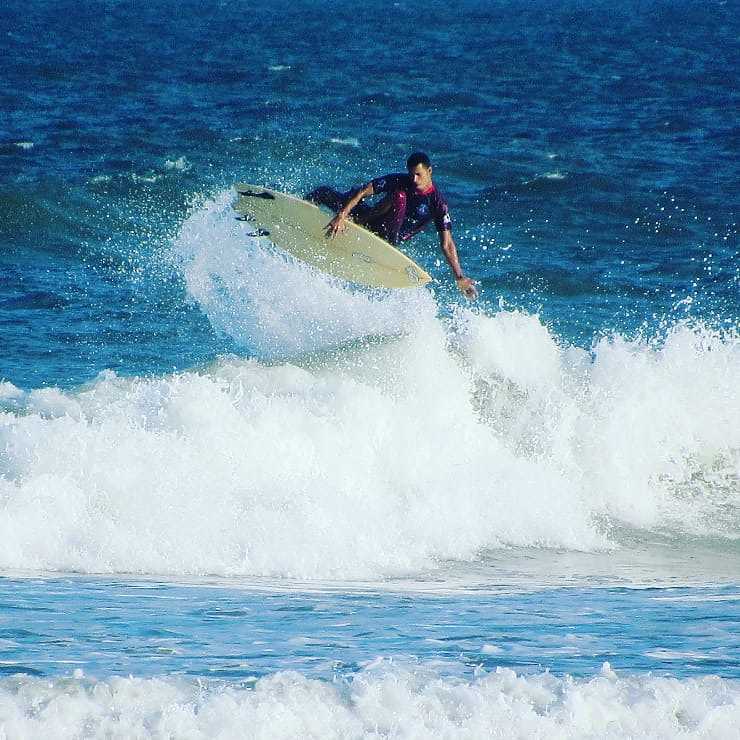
[[337, 224], [465, 285]]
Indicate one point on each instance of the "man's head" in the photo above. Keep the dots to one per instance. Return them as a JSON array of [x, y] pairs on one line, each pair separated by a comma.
[[420, 170]]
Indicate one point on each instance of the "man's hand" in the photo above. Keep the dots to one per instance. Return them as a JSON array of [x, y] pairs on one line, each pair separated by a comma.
[[467, 287], [339, 223], [336, 226]]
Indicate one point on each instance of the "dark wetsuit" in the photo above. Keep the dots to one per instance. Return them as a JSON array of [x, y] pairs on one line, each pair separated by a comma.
[[403, 213], [412, 210]]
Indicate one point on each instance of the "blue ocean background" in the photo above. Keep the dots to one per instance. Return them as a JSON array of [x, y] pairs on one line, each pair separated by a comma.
[[239, 498]]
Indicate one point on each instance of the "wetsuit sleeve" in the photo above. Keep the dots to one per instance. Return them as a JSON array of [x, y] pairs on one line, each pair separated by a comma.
[[441, 212], [389, 183]]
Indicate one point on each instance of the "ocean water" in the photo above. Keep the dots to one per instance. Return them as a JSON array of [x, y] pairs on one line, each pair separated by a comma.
[[239, 498]]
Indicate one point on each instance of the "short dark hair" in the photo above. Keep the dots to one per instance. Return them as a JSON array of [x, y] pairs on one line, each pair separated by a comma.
[[418, 158]]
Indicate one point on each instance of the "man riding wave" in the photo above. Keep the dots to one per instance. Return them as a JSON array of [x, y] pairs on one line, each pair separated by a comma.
[[411, 201]]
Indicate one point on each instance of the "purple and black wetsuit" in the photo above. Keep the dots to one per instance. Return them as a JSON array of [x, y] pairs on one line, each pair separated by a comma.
[[410, 211], [403, 213]]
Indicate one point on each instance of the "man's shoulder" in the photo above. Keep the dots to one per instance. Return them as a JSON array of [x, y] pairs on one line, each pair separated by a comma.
[[391, 178], [437, 197]]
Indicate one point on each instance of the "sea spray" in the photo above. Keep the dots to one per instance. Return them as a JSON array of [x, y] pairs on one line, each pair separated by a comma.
[[274, 304]]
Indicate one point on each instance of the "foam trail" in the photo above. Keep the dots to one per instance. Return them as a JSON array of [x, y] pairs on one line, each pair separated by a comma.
[[273, 304], [385, 700]]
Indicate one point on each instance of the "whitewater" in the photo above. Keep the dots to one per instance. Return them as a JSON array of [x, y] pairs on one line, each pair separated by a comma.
[[372, 447], [383, 701], [393, 440]]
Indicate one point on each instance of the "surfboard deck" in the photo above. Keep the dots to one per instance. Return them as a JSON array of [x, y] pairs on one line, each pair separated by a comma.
[[299, 228]]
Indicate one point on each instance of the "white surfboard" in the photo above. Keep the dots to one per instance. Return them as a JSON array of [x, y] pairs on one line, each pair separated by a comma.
[[299, 227]]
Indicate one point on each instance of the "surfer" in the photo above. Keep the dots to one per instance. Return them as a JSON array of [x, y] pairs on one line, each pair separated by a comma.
[[411, 201]]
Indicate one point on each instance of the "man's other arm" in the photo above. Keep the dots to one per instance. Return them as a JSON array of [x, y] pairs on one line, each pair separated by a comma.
[[338, 223], [465, 285]]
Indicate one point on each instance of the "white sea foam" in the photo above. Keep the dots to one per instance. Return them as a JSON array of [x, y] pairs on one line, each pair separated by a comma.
[[385, 700], [351, 141], [446, 440], [25, 145], [180, 164], [150, 178], [650, 433], [9, 394], [554, 175]]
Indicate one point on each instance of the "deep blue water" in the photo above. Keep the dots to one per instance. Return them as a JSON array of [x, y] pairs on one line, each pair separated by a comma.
[[599, 141], [184, 412]]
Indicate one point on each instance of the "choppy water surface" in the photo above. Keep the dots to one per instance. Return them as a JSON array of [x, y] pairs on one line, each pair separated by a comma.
[[245, 632]]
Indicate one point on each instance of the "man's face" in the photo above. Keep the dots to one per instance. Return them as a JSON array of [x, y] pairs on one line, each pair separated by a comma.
[[422, 177]]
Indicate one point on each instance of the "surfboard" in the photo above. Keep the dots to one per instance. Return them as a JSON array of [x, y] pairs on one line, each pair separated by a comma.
[[299, 228]]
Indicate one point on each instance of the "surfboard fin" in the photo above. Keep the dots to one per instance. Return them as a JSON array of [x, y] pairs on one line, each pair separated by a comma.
[[252, 194]]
